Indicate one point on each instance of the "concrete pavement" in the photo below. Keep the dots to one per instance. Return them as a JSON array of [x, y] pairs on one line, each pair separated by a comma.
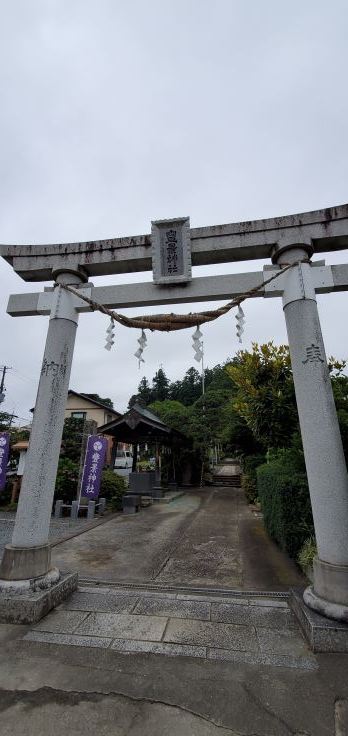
[[209, 537], [49, 689]]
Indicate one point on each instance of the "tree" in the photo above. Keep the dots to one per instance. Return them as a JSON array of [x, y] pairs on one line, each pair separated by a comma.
[[189, 389], [144, 391], [208, 419], [172, 413], [72, 439], [265, 395], [144, 395], [6, 421], [214, 420], [160, 386], [135, 399], [95, 397], [186, 461], [217, 378], [340, 391], [66, 480]]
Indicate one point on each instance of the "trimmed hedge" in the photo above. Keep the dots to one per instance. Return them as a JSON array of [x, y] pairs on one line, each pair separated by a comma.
[[250, 463], [285, 503]]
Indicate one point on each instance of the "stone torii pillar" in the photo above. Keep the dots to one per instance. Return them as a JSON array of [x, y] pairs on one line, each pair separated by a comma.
[[322, 443], [26, 562]]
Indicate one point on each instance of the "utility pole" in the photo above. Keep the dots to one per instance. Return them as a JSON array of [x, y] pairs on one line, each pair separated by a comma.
[[2, 385], [12, 417], [203, 376]]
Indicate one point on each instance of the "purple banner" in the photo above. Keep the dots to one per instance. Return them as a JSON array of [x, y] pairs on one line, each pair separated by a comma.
[[4, 453], [94, 463]]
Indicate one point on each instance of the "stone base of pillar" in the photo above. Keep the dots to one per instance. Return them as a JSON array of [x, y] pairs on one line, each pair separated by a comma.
[[27, 601], [334, 611], [323, 634], [330, 582], [30, 585], [25, 563]]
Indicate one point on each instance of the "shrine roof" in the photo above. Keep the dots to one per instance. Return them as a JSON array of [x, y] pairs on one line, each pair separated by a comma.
[[141, 424]]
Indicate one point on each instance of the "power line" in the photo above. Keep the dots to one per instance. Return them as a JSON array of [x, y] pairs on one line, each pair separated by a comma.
[[23, 377]]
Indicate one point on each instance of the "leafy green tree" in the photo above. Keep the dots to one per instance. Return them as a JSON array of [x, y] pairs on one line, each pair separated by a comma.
[[265, 396], [207, 419], [231, 430], [186, 459], [217, 378], [172, 413]]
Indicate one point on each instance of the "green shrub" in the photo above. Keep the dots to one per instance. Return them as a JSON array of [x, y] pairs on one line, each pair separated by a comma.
[[67, 478], [5, 495], [249, 486], [250, 464], [11, 506], [285, 503], [307, 553], [112, 488]]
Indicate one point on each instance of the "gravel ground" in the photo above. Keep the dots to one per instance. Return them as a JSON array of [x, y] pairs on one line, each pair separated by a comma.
[[59, 528]]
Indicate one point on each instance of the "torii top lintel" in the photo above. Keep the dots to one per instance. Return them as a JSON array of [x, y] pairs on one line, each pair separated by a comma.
[[325, 230]]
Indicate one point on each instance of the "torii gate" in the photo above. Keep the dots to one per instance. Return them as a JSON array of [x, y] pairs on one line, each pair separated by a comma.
[[286, 240]]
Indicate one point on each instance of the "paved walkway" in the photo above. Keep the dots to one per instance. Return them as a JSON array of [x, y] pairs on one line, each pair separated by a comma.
[[251, 630], [207, 538]]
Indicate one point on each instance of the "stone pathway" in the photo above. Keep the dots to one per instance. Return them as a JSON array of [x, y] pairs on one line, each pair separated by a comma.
[[260, 631]]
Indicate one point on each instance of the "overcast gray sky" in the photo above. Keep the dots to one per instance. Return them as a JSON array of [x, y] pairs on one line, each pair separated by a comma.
[[116, 113]]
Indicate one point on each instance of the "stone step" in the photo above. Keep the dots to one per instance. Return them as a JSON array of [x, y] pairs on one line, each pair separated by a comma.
[[168, 497], [227, 480], [128, 621], [146, 501]]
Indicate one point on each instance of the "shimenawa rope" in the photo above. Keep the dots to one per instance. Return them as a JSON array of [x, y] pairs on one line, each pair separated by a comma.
[[171, 322]]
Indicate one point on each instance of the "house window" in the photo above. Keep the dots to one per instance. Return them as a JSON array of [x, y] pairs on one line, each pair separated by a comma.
[[78, 414]]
